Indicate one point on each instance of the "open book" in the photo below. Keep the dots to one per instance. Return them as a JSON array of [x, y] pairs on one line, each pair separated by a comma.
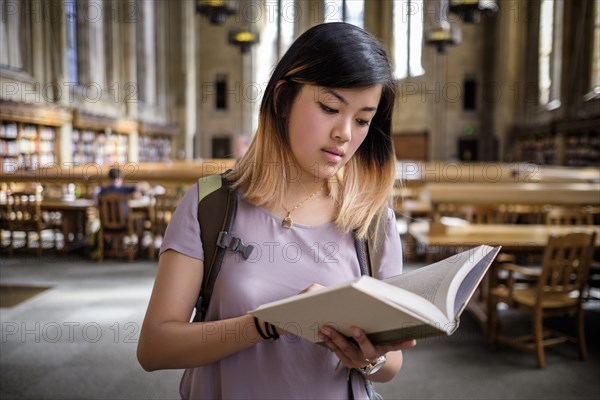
[[425, 302]]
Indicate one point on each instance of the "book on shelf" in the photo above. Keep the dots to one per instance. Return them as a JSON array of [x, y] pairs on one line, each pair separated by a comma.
[[425, 302]]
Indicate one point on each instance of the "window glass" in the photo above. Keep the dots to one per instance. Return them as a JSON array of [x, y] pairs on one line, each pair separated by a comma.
[[351, 11], [596, 54], [408, 38], [545, 50], [72, 42], [287, 16], [550, 52]]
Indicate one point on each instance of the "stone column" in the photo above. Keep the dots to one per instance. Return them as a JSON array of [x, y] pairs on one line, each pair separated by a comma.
[[129, 18], [308, 14], [378, 21], [188, 121], [51, 29]]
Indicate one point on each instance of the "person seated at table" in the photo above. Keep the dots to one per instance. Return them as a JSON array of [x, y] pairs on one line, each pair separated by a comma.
[[115, 177], [140, 217]]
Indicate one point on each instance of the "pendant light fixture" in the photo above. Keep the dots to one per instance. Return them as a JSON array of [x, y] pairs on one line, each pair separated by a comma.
[[244, 38], [441, 33], [471, 10], [217, 11]]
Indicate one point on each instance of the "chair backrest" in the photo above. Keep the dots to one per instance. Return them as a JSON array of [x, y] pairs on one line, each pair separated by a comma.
[[568, 216], [472, 213], [23, 211], [164, 206], [566, 264], [113, 209], [522, 213], [481, 214]]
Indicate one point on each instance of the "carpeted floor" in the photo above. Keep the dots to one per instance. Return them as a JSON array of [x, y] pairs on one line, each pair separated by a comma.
[[77, 340], [12, 295]]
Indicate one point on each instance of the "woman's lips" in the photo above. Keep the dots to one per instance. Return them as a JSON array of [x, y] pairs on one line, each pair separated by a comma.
[[333, 155]]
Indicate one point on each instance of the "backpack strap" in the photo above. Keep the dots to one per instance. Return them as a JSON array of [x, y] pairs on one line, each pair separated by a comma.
[[217, 205], [370, 250]]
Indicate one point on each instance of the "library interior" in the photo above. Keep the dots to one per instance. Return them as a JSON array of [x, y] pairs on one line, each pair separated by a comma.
[[495, 131]]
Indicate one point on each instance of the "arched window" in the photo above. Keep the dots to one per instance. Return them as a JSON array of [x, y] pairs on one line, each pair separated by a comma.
[[146, 53], [351, 11], [549, 53], [595, 78], [15, 35], [72, 42], [276, 36], [408, 38]]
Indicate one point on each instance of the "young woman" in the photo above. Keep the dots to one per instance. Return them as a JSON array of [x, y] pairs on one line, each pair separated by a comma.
[[318, 171]]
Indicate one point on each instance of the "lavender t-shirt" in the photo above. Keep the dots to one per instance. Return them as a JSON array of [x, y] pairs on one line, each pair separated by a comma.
[[283, 262]]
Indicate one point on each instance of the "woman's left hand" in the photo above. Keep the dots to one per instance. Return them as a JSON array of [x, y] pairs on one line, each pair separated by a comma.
[[362, 352]]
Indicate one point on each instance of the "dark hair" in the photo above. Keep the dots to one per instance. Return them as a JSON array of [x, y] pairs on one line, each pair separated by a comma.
[[336, 55], [115, 173]]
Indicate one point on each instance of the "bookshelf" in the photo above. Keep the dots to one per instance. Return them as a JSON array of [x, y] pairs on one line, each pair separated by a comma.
[[100, 140], [574, 143], [582, 147], [155, 142], [540, 149], [29, 135], [99, 146]]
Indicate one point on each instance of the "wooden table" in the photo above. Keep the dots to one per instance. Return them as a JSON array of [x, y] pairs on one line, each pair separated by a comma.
[[509, 236], [414, 173], [73, 221], [176, 172], [411, 208], [75, 214], [514, 193]]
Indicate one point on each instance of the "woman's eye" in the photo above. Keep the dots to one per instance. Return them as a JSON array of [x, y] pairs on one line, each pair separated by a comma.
[[362, 122], [328, 110]]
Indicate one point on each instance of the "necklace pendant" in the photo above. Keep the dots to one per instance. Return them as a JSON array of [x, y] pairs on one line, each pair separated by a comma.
[[287, 222]]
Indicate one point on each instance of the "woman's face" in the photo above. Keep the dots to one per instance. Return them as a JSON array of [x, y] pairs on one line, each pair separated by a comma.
[[326, 127]]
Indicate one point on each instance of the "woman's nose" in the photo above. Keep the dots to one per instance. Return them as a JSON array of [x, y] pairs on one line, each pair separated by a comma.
[[343, 130]]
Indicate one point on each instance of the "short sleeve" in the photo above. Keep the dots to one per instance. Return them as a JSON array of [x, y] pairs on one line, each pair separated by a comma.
[[183, 232], [391, 258]]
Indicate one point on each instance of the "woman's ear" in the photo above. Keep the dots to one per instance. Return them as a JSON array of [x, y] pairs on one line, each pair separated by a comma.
[[278, 87]]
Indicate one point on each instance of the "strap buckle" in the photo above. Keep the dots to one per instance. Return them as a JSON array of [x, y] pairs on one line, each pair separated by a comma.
[[228, 241]]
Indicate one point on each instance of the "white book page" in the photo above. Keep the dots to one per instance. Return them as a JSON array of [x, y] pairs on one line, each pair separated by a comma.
[[465, 288], [397, 297], [367, 303], [412, 302], [439, 282]]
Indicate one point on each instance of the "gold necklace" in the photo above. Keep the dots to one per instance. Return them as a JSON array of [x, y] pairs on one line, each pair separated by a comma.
[[287, 221]]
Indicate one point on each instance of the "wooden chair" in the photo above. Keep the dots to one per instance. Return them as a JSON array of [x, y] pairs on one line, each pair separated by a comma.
[[472, 213], [23, 214], [568, 216], [481, 214], [164, 207], [464, 214], [593, 281], [522, 213], [116, 225], [3, 222], [558, 215], [558, 292]]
